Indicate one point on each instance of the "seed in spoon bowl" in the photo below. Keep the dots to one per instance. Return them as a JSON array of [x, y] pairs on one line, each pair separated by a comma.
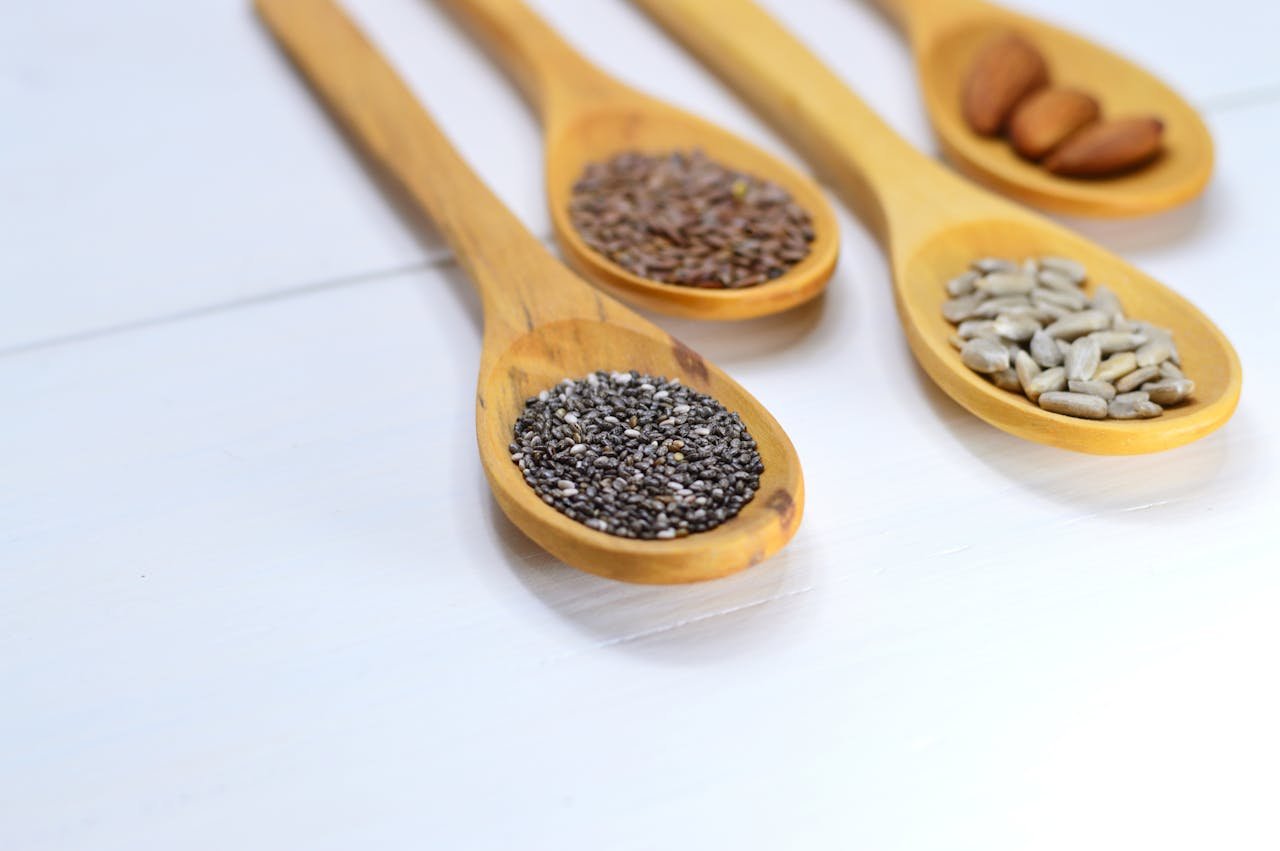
[[1061, 366], [635, 455], [681, 218]]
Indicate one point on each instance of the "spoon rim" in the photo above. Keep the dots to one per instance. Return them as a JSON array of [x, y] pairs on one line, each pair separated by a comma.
[[760, 528], [1208, 409], [799, 284], [1161, 185]]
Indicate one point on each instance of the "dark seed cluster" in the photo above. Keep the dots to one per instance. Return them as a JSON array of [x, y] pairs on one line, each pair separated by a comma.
[[636, 456], [681, 218]]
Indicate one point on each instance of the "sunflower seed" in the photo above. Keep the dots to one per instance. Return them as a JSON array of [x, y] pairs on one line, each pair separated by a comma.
[[1117, 341], [1152, 353], [993, 307], [982, 355], [1006, 379], [1052, 379], [1170, 391], [1016, 328], [1006, 283], [1079, 324], [1133, 409], [971, 328], [1047, 311], [1105, 300], [1055, 280], [961, 308], [1116, 366], [1093, 388], [962, 284], [987, 265], [1073, 269], [1045, 350], [1074, 404], [1030, 327], [1071, 299], [1083, 359], [1027, 369], [1136, 379]]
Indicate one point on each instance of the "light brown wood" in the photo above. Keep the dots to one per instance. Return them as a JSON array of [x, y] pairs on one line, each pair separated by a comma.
[[588, 116], [542, 323], [946, 34], [933, 223]]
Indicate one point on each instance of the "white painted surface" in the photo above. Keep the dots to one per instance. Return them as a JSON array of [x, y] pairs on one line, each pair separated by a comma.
[[254, 594]]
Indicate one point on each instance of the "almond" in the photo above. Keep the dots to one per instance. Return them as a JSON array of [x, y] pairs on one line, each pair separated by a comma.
[[1007, 69], [1047, 117], [1107, 148]]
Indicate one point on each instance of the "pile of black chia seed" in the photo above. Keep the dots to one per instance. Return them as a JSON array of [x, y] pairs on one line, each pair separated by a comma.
[[636, 455]]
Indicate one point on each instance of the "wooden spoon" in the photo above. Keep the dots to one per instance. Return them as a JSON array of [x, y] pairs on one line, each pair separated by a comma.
[[542, 323], [934, 223], [946, 34], [588, 116]]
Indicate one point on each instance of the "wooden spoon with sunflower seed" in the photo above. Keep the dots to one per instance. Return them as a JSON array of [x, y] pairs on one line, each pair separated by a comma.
[[933, 224]]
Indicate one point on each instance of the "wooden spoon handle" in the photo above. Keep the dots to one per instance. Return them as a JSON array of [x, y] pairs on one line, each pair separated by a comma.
[[501, 257], [921, 18], [553, 76], [891, 185]]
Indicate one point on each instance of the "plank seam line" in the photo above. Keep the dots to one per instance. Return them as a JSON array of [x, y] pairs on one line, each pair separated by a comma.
[[187, 314], [1214, 104]]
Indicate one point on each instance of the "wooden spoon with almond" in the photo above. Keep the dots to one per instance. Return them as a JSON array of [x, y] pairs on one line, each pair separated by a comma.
[[933, 224], [1145, 124]]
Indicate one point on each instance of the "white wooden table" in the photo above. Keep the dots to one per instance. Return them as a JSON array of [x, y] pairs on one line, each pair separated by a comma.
[[254, 593]]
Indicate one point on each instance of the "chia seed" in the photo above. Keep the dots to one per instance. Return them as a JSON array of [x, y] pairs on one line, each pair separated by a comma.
[[635, 455]]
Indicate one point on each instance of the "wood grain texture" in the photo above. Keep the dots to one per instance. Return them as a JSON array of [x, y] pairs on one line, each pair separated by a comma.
[[255, 592], [589, 117], [945, 37], [542, 324], [933, 224]]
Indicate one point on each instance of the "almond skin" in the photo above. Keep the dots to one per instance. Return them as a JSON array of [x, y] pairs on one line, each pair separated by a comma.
[[1007, 69], [1043, 120], [1108, 147]]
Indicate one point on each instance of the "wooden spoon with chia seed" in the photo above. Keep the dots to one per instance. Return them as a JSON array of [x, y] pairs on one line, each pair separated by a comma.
[[542, 323], [589, 117], [945, 36], [933, 224]]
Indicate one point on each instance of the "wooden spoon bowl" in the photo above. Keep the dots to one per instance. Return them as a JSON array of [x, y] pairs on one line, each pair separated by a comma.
[[1207, 356], [542, 323], [597, 134], [933, 224], [945, 37], [543, 357], [589, 117]]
